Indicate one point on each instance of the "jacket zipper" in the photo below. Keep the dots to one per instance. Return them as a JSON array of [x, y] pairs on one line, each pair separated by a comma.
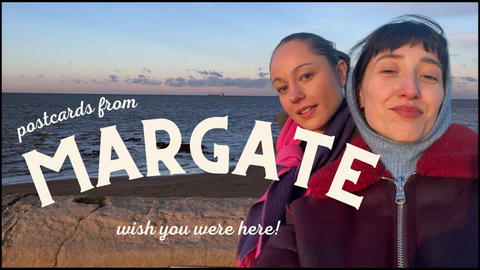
[[400, 200]]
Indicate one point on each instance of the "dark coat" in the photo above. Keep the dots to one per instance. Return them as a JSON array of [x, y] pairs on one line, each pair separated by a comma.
[[437, 226]]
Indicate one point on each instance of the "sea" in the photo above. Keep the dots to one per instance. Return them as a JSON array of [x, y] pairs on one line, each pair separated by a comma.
[[84, 115]]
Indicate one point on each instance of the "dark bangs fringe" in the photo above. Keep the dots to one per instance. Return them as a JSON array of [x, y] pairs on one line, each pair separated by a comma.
[[395, 35]]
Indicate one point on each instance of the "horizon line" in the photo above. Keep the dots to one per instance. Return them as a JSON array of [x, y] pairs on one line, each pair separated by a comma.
[[143, 94], [156, 94]]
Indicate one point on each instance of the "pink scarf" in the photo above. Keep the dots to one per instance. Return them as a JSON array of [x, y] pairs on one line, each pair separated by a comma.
[[270, 208]]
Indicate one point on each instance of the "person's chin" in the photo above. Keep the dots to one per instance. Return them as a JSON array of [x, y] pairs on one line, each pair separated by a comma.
[[407, 137], [404, 132]]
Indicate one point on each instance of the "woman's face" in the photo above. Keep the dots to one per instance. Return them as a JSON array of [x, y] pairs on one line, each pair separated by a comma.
[[402, 92], [309, 88]]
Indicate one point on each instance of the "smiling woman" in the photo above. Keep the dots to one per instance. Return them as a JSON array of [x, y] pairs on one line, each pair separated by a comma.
[[309, 87], [420, 203], [413, 92], [309, 75]]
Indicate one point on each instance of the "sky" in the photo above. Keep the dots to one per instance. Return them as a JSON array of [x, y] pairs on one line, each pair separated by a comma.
[[196, 48]]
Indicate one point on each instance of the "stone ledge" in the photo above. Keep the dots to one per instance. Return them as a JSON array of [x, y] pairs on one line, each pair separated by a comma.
[[81, 231]]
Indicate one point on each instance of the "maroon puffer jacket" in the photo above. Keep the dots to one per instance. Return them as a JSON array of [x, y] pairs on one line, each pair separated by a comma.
[[437, 226]]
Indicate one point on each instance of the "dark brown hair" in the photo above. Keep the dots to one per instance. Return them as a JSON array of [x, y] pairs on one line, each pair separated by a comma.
[[406, 29], [318, 46]]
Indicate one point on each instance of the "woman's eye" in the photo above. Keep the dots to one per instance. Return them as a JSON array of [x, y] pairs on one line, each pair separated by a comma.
[[282, 89], [307, 76], [388, 71], [431, 78]]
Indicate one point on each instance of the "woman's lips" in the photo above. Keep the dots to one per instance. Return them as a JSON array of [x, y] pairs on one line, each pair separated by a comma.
[[306, 111], [407, 111]]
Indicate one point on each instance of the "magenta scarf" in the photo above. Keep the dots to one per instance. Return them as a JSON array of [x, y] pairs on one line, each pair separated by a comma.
[[270, 208]]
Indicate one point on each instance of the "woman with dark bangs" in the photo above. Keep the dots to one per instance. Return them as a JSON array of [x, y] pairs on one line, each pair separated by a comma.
[[420, 201]]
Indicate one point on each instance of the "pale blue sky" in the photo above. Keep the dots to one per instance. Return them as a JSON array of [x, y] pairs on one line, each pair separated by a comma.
[[196, 48]]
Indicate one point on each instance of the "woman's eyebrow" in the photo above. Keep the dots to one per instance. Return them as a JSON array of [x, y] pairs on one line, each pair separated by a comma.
[[390, 55], [431, 61], [299, 66], [399, 56]]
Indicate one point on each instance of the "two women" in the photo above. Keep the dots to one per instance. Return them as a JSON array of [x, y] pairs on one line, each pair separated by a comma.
[[420, 202], [309, 75]]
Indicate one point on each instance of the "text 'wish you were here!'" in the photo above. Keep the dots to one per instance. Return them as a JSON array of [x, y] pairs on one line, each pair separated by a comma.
[[261, 133]]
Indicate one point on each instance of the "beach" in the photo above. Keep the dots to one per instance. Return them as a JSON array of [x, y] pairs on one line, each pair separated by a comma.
[[205, 185], [80, 229]]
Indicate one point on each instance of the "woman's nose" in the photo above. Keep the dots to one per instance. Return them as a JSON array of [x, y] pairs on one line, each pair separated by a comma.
[[296, 93], [410, 87]]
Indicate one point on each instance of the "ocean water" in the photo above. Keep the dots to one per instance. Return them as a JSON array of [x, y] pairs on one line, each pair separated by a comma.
[[186, 112]]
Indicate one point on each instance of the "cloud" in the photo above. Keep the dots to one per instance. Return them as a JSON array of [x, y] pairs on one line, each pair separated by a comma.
[[196, 82], [117, 70], [454, 55], [41, 76], [143, 80], [113, 78], [99, 82], [207, 73], [77, 80], [463, 89], [146, 70], [176, 82], [470, 79], [263, 74], [214, 73], [213, 81]]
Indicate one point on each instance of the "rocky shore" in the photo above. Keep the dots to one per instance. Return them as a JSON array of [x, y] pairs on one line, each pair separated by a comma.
[[81, 231]]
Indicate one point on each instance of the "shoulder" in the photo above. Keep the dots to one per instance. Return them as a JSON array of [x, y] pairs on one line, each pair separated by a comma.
[[457, 140], [454, 154], [460, 132]]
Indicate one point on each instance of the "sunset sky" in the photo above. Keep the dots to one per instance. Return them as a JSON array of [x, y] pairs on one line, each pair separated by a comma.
[[196, 48]]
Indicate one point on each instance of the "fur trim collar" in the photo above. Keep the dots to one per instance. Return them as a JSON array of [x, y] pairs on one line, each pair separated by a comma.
[[455, 154]]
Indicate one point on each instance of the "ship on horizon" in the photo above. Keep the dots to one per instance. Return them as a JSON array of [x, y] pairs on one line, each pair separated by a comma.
[[216, 95]]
